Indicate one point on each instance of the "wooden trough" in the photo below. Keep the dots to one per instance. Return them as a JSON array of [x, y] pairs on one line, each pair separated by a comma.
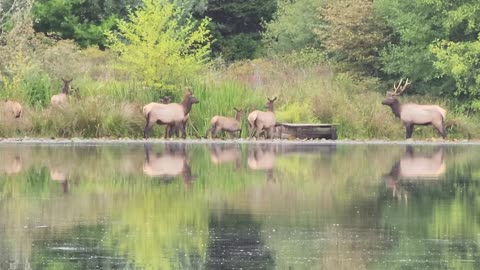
[[305, 131]]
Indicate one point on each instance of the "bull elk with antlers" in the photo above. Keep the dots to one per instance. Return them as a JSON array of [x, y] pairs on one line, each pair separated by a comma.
[[413, 114]]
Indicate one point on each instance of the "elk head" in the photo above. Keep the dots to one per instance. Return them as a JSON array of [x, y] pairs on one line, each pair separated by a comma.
[[398, 88], [66, 85], [189, 98], [269, 104], [238, 113]]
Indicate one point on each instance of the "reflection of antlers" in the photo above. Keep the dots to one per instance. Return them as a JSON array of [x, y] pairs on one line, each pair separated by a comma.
[[398, 88]]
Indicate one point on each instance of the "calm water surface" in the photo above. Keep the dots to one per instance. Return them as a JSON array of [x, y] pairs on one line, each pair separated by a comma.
[[180, 206]]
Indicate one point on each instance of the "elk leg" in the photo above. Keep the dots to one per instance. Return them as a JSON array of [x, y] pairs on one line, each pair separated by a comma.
[[269, 133], [146, 130], [167, 132], [409, 130], [215, 133], [257, 132], [442, 130], [210, 130], [251, 130], [184, 132]]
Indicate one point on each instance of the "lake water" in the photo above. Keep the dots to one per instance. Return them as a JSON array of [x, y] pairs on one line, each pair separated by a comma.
[[229, 206]]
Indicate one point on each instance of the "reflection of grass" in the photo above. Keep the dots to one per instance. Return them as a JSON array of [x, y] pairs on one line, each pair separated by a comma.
[[165, 228], [155, 224]]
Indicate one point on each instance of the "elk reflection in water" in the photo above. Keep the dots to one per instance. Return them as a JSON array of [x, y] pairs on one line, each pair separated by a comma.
[[262, 157], [171, 162], [12, 163], [412, 168], [225, 154]]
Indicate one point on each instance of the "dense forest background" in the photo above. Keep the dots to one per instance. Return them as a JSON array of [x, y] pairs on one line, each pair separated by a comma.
[[327, 61]]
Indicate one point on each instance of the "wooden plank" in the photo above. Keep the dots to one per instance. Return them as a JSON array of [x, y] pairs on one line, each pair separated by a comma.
[[306, 131]]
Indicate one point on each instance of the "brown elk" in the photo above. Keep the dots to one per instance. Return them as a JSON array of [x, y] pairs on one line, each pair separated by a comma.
[[172, 162], [172, 114], [413, 114], [414, 168], [62, 98], [12, 108], [222, 123], [259, 121]]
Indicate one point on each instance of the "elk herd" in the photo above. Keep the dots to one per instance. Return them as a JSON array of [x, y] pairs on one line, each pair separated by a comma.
[[175, 115]]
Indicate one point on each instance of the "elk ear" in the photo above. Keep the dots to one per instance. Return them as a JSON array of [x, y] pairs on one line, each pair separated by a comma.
[[274, 99]]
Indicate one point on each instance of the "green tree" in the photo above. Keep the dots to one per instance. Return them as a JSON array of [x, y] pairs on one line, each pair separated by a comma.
[[434, 44], [237, 24], [156, 49], [85, 21], [353, 35], [292, 27]]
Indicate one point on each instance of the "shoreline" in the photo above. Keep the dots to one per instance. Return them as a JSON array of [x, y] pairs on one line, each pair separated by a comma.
[[82, 141]]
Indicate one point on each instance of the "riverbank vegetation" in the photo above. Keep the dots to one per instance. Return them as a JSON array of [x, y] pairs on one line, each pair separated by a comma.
[[332, 64]]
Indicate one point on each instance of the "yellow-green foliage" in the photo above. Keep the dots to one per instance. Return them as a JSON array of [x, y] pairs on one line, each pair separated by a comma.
[[157, 48]]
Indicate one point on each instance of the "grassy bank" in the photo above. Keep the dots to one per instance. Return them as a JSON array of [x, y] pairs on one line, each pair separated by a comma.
[[111, 102]]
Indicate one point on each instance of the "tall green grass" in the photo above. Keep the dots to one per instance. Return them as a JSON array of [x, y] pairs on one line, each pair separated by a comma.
[[111, 101]]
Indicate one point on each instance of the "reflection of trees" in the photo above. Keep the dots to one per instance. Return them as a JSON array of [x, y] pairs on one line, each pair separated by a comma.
[[329, 205], [166, 228], [444, 213]]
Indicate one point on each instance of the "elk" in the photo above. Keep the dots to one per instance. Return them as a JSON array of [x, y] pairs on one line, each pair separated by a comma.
[[172, 114], [172, 162], [413, 114], [62, 98], [12, 108], [413, 168], [171, 129], [222, 123], [259, 121]]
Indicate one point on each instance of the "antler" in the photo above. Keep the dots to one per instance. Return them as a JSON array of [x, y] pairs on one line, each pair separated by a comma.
[[398, 88]]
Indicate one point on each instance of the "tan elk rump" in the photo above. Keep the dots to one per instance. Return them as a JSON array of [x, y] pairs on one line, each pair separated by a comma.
[[12, 109], [259, 121]]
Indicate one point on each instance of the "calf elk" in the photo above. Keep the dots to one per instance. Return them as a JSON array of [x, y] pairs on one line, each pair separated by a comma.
[[413, 114], [222, 123], [62, 98], [259, 121]]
